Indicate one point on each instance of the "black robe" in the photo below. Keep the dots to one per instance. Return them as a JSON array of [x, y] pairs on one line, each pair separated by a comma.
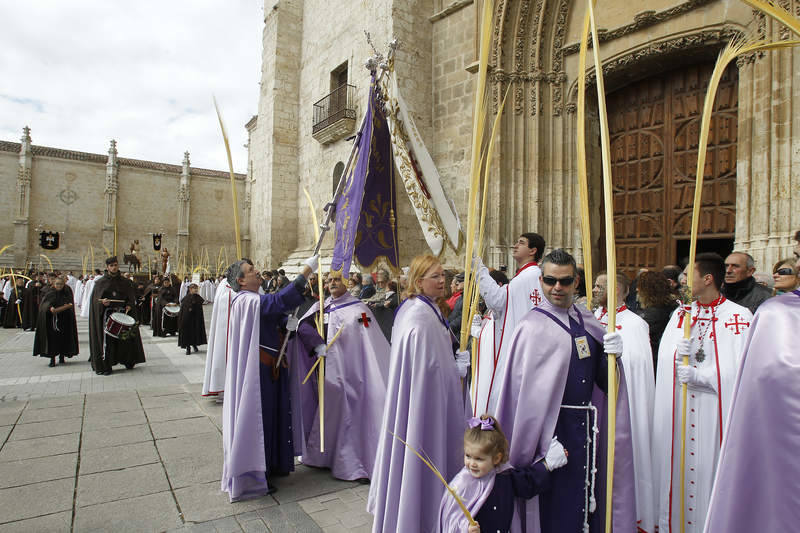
[[12, 317], [163, 324], [30, 305], [191, 323], [145, 309], [56, 334], [106, 351]]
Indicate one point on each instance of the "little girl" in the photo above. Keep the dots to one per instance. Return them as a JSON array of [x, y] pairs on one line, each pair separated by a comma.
[[488, 486]]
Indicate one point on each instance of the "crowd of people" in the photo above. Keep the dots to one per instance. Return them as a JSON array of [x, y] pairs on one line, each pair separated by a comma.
[[537, 367], [367, 375]]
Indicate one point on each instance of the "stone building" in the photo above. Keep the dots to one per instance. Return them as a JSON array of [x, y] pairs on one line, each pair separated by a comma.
[[82, 196], [657, 57]]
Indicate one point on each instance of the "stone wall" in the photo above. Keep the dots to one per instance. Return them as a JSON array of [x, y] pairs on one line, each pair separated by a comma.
[[68, 195], [534, 57]]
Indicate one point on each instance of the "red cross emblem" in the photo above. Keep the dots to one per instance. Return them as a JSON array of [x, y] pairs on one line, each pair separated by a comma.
[[736, 324], [536, 297], [365, 320]]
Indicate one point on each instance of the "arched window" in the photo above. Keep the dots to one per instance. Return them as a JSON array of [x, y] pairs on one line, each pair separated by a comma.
[[337, 173]]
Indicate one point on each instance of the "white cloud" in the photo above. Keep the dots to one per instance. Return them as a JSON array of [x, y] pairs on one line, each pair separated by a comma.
[[81, 73]]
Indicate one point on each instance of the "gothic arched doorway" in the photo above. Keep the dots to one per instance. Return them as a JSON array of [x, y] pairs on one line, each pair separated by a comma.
[[654, 125]]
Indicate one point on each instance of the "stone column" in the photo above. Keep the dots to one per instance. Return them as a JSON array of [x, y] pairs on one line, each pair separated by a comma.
[[183, 207], [245, 222], [22, 215], [112, 187]]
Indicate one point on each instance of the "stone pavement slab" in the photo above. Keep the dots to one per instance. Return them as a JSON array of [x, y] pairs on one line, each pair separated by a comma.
[[121, 484], [51, 413], [40, 447], [117, 457], [154, 512], [5, 431], [27, 471], [176, 412], [101, 438], [52, 523], [116, 420], [188, 471], [180, 428], [201, 503], [47, 429], [36, 499], [190, 446], [306, 482], [60, 401]]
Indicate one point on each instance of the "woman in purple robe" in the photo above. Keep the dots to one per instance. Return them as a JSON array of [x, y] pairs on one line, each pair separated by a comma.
[[425, 406]]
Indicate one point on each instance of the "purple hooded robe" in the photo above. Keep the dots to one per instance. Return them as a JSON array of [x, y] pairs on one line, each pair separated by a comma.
[[256, 416], [425, 407], [546, 370], [356, 368], [757, 485]]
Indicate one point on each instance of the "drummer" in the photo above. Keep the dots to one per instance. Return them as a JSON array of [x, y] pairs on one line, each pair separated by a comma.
[[113, 294], [168, 303]]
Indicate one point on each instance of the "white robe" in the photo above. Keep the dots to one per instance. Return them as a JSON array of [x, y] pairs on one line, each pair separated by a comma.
[[7, 286], [183, 290], [484, 371], [508, 304], [723, 330], [640, 383], [207, 290], [87, 298], [214, 380], [78, 294]]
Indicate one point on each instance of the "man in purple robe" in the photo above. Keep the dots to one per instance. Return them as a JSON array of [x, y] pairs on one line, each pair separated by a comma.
[[756, 485], [356, 368], [556, 390], [256, 415]]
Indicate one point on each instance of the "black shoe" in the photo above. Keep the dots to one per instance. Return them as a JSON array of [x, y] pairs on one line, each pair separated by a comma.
[[188, 350], [61, 360], [107, 372], [195, 349], [52, 362]]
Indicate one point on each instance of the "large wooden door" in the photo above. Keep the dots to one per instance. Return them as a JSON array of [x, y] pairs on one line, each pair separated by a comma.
[[654, 126]]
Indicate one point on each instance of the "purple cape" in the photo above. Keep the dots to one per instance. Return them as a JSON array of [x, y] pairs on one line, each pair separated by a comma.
[[757, 485], [473, 492], [244, 466], [425, 407], [529, 405], [356, 369]]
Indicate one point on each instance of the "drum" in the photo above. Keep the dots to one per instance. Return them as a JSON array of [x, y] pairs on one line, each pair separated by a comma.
[[172, 309], [119, 323]]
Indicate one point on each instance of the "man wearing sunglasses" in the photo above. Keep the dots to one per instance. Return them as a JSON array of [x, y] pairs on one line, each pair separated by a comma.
[[553, 395], [508, 305]]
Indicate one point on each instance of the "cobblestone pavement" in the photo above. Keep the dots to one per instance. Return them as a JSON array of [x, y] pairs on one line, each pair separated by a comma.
[[139, 450]]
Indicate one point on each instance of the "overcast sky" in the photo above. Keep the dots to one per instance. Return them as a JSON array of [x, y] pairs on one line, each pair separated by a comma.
[[83, 72]]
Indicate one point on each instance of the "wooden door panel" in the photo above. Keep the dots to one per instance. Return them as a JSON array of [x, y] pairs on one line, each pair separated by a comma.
[[654, 126]]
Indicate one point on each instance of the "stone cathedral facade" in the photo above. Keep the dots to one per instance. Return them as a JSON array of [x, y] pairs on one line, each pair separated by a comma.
[[657, 58]]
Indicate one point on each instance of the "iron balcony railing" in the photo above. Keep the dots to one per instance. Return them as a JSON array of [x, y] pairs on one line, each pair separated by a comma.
[[336, 106]]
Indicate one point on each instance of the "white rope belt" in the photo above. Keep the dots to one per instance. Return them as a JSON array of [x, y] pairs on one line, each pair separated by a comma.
[[590, 503]]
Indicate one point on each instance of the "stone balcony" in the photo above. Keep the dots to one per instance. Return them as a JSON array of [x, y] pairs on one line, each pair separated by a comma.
[[335, 115]]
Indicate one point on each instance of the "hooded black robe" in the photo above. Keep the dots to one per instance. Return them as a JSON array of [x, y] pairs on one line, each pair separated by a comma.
[[56, 334], [106, 351], [164, 324], [191, 323], [30, 304], [13, 315]]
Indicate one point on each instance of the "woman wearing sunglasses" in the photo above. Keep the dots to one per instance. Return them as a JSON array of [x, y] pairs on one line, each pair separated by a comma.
[[785, 275]]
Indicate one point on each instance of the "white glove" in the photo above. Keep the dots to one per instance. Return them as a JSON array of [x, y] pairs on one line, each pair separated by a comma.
[[18, 302], [321, 350], [291, 323], [695, 378], [556, 456], [475, 327], [312, 262], [463, 362], [683, 347], [612, 343], [477, 263]]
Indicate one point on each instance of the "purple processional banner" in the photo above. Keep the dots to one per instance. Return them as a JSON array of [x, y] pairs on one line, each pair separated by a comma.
[[365, 211]]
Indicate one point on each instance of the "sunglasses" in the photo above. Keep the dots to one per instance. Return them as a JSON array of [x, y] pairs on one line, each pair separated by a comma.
[[785, 272], [551, 281]]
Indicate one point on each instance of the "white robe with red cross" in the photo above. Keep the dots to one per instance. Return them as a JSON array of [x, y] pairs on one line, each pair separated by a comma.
[[720, 328], [508, 305], [640, 382]]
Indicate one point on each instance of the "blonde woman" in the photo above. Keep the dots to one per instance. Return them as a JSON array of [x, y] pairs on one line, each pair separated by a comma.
[[425, 406], [784, 273]]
